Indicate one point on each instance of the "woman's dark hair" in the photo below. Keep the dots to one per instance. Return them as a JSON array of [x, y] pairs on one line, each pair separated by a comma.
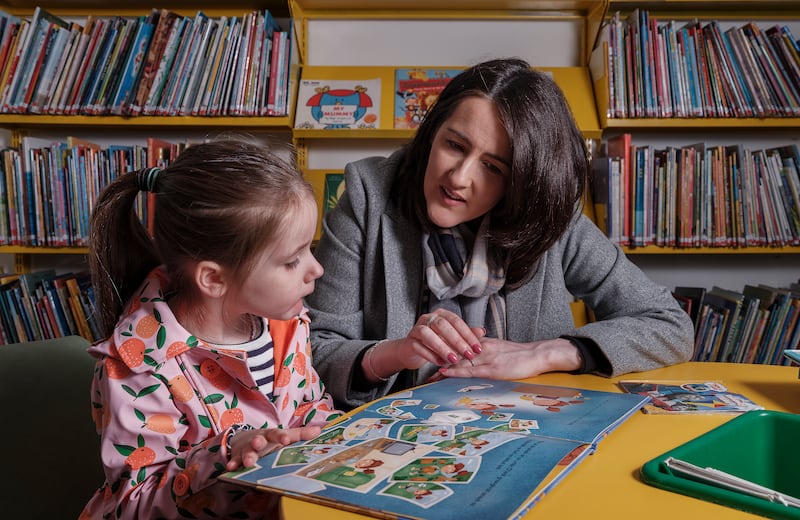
[[220, 201], [549, 165]]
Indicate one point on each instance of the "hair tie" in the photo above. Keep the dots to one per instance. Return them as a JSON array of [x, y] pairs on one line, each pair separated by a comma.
[[146, 179]]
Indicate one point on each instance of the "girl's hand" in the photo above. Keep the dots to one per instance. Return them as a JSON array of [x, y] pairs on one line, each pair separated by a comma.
[[249, 445], [501, 359]]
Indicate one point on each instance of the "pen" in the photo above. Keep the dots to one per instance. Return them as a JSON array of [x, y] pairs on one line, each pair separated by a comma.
[[726, 480]]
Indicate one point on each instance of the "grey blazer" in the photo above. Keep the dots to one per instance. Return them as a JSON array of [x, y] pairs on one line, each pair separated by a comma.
[[373, 285]]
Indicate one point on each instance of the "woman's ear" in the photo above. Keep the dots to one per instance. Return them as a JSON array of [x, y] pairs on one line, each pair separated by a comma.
[[211, 279]]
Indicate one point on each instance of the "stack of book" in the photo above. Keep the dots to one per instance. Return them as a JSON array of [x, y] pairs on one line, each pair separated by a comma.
[[697, 195], [159, 64], [49, 188], [663, 69], [755, 325], [44, 305]]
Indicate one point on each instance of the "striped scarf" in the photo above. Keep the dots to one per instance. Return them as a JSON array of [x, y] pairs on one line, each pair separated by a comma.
[[465, 283]]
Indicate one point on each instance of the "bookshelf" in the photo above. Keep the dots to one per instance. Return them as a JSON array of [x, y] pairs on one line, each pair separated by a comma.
[[104, 131], [746, 128], [725, 266], [110, 129], [770, 130]]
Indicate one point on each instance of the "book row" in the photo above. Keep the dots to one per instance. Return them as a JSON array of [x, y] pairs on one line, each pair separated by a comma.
[[159, 64], [754, 325], [697, 195], [44, 305], [49, 188], [663, 69]]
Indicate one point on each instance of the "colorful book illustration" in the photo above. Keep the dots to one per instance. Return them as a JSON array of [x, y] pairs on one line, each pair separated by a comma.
[[689, 397], [498, 446], [416, 90], [338, 104]]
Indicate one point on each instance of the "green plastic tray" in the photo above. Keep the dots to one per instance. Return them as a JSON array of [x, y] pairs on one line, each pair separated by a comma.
[[760, 446]]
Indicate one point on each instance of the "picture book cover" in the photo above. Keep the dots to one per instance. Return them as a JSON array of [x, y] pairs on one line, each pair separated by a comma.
[[416, 90], [334, 187], [338, 104], [689, 397], [493, 446]]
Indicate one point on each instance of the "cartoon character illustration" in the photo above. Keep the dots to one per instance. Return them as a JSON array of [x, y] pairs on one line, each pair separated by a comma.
[[551, 403], [340, 108], [483, 406]]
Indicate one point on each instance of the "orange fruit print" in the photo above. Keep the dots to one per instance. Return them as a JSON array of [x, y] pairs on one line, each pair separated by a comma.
[[116, 369], [140, 457], [180, 389], [132, 352], [137, 457], [147, 326], [230, 417], [161, 423], [211, 370]]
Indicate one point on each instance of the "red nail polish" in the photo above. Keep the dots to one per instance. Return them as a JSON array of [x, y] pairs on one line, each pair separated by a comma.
[[476, 348], [452, 358]]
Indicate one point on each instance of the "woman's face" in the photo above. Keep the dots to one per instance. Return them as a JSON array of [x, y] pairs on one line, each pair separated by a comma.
[[469, 164]]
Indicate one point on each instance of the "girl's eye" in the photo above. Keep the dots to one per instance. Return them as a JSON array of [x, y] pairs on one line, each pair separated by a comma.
[[293, 264]]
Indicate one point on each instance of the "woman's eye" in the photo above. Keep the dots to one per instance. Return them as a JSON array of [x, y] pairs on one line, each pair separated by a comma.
[[494, 168], [293, 264], [455, 145]]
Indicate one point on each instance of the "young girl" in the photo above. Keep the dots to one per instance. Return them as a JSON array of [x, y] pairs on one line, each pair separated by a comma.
[[207, 361]]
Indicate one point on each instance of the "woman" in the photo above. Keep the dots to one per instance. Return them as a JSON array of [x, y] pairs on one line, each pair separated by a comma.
[[459, 254]]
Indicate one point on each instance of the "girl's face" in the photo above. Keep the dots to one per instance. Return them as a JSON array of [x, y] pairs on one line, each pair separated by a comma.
[[285, 272], [469, 164]]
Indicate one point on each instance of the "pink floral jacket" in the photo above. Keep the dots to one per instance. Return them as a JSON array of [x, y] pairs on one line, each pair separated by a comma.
[[164, 403]]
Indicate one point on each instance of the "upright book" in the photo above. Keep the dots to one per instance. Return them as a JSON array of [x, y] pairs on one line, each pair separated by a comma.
[[494, 447], [416, 90]]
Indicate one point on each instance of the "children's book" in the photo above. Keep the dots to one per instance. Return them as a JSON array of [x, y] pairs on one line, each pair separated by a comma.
[[416, 90], [689, 397], [338, 104], [495, 447]]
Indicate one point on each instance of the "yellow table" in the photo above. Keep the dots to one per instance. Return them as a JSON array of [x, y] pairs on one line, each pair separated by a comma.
[[607, 484]]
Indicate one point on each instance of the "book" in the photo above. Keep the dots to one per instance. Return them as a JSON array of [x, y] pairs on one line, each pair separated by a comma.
[[416, 90], [334, 188], [689, 397], [161, 31], [793, 355], [497, 446], [619, 147], [136, 56], [338, 104]]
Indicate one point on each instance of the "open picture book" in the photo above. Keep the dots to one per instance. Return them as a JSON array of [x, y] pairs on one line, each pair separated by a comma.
[[494, 447]]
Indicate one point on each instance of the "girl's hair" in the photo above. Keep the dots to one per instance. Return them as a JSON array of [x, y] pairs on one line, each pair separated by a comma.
[[549, 164], [220, 201]]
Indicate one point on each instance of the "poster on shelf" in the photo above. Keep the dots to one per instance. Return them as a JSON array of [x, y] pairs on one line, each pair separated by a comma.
[[338, 104]]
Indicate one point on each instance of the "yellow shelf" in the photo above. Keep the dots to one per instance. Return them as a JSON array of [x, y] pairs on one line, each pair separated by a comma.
[[658, 250], [30, 250], [679, 123], [13, 121]]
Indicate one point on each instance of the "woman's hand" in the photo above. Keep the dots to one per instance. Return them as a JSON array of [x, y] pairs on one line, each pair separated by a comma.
[[501, 359], [441, 338], [248, 446]]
